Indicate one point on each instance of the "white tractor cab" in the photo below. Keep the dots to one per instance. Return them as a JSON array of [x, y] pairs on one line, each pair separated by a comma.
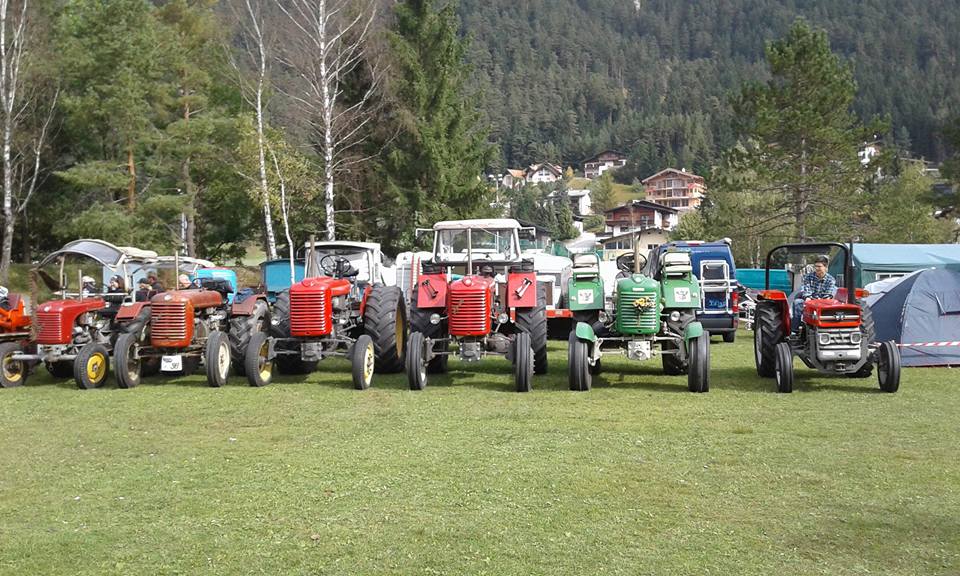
[[479, 294]]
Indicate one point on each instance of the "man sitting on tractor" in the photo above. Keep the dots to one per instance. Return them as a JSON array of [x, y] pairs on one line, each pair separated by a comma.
[[816, 284]]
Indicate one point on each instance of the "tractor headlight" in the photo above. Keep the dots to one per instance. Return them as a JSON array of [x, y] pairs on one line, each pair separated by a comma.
[[604, 317], [823, 338], [434, 318], [856, 338], [674, 316], [503, 318]]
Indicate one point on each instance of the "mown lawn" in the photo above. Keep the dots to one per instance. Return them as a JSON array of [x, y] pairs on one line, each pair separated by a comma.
[[636, 477]]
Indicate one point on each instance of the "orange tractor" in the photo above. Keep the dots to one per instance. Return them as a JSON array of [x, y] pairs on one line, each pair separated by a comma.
[[14, 337]]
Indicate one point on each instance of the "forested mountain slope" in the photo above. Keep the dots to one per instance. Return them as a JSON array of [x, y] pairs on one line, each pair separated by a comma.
[[566, 78]]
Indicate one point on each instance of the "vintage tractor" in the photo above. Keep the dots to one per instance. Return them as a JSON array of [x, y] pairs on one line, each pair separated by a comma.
[[835, 334], [340, 308], [649, 316], [204, 323], [75, 334], [14, 338], [495, 307]]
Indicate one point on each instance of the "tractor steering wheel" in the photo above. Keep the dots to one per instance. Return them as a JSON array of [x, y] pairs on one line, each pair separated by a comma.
[[625, 262], [336, 266]]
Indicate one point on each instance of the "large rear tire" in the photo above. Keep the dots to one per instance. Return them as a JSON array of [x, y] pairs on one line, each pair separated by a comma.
[[126, 366], [533, 321], [385, 321], [91, 366], [698, 370], [783, 371], [258, 366], [578, 366], [523, 359], [217, 358], [363, 360], [888, 367], [241, 330], [13, 373], [768, 331], [416, 362]]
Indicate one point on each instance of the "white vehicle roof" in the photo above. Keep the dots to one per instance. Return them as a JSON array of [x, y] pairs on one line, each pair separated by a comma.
[[345, 244], [487, 223], [101, 251]]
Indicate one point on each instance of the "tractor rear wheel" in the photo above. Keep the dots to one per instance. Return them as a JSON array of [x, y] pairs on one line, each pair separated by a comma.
[[420, 322], [60, 369], [13, 373], [698, 370], [242, 328], [784, 368], [416, 362], [768, 331], [578, 366], [217, 358], [888, 366], [258, 366], [91, 366], [363, 359], [126, 366], [385, 321], [533, 321], [523, 359]]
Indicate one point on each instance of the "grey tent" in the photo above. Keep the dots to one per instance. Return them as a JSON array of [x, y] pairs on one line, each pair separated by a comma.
[[922, 314]]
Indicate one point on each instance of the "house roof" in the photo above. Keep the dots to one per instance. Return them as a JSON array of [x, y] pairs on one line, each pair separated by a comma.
[[651, 230], [552, 167], [668, 171], [602, 152], [643, 204], [516, 172]]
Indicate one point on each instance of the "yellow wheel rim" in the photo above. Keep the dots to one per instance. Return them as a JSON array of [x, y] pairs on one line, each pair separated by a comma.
[[12, 370], [368, 363], [266, 366], [96, 367]]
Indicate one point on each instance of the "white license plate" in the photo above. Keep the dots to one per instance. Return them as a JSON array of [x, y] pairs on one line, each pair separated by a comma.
[[171, 363]]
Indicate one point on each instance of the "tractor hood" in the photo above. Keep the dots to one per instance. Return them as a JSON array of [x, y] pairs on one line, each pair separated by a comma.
[[55, 319], [472, 283], [198, 298], [336, 286]]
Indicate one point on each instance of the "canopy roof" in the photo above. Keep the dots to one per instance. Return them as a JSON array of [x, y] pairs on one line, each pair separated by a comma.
[[374, 246], [906, 255], [101, 251], [487, 223]]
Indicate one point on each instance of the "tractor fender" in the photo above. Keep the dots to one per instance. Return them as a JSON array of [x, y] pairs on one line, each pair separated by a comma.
[[585, 332], [130, 311], [363, 299], [693, 330], [248, 305]]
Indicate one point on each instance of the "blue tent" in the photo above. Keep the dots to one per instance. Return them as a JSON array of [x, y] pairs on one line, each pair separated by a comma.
[[922, 314]]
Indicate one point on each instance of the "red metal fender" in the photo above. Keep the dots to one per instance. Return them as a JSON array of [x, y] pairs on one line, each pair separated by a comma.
[[432, 291], [522, 290], [363, 301], [248, 305], [130, 311]]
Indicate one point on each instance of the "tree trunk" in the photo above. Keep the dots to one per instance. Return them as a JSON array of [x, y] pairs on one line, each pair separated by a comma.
[[132, 184], [264, 191], [9, 218], [327, 130]]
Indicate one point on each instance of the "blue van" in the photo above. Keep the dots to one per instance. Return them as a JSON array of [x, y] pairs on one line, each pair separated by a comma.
[[713, 266]]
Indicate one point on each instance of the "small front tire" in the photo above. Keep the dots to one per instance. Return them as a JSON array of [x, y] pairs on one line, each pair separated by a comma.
[[217, 358], [13, 373], [91, 366], [784, 368], [523, 362], [888, 367], [416, 364], [126, 366], [257, 364], [580, 372], [363, 360]]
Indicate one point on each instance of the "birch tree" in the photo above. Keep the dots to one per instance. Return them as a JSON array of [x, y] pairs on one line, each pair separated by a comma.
[[256, 51], [326, 46]]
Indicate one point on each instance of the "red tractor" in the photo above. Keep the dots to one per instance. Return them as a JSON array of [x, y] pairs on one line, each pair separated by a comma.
[[205, 322], [835, 334], [496, 307], [14, 336], [75, 333], [341, 308]]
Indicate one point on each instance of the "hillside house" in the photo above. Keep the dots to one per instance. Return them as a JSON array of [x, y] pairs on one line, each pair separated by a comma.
[[596, 165], [677, 189], [649, 239], [640, 215], [543, 173], [580, 202], [513, 179]]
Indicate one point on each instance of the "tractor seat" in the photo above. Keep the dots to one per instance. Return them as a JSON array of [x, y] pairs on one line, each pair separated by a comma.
[[217, 285], [676, 264]]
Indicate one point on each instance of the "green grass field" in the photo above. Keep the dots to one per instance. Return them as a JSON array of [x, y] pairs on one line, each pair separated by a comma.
[[636, 477]]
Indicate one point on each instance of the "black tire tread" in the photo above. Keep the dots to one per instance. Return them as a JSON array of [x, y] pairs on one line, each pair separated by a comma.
[[384, 309]]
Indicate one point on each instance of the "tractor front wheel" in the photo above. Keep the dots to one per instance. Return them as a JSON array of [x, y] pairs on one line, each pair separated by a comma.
[[256, 360], [416, 362], [698, 371], [363, 359], [533, 321], [126, 365], [217, 358], [13, 373], [784, 368], [888, 366], [523, 362], [242, 328], [91, 366], [580, 373]]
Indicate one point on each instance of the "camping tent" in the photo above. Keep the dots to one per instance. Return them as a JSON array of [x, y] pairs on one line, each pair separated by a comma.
[[874, 262], [922, 314]]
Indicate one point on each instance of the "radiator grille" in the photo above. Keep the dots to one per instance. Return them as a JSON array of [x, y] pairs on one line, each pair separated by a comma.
[[469, 312], [168, 321], [48, 328], [309, 314], [633, 320]]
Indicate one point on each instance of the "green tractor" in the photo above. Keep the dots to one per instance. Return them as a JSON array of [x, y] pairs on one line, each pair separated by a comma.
[[648, 316]]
